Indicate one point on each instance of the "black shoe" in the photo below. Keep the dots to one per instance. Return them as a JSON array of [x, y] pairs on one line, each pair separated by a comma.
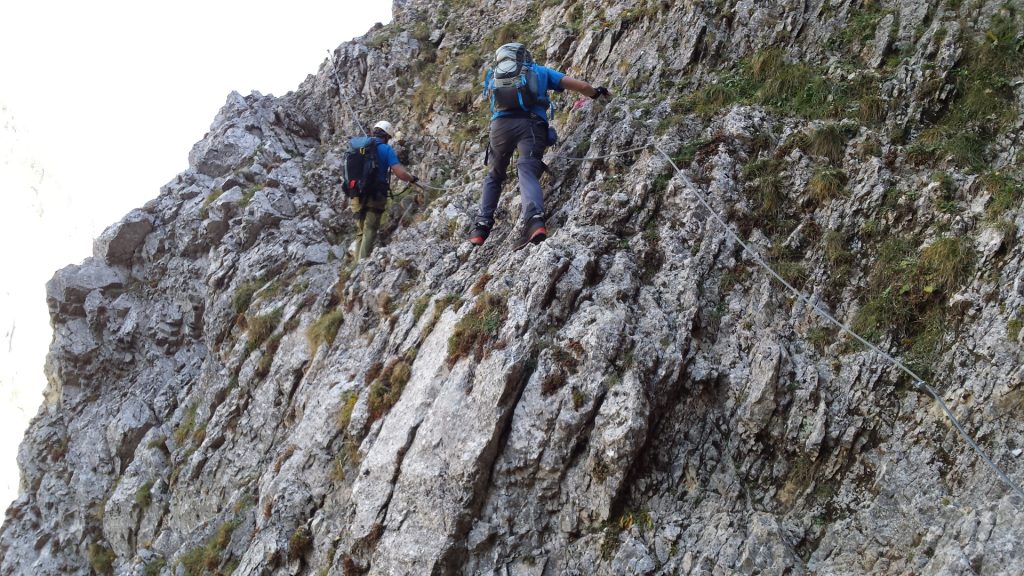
[[480, 233], [534, 232]]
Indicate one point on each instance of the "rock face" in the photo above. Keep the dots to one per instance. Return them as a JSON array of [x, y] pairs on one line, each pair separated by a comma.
[[228, 394]]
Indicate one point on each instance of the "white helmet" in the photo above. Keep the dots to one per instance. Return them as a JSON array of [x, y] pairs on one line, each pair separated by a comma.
[[385, 127]]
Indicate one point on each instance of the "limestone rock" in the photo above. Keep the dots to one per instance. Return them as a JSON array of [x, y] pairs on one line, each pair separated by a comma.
[[119, 243], [66, 292], [228, 392]]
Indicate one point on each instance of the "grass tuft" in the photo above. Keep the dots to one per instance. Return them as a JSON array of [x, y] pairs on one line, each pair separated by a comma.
[[481, 283], [299, 544], [101, 559], [838, 256], [206, 558], [788, 262], [578, 398], [325, 329], [826, 184], [144, 495], [984, 102], [799, 89], [243, 295], [474, 330], [1006, 193], [261, 327], [872, 110], [204, 210], [828, 141], [420, 306], [1013, 329], [387, 388], [185, 429], [154, 567], [947, 263], [907, 292], [348, 404], [766, 192], [767, 65]]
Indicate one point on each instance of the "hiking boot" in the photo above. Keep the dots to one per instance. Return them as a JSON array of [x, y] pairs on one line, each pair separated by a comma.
[[480, 233], [534, 231]]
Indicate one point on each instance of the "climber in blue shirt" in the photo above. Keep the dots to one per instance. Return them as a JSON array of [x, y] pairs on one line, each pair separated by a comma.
[[368, 210], [518, 93]]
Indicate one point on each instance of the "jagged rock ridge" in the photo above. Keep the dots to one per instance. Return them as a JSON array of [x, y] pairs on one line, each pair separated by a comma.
[[633, 396]]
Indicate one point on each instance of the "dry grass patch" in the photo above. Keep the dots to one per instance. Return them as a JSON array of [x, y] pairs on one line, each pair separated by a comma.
[[476, 329], [826, 184], [325, 329], [387, 388]]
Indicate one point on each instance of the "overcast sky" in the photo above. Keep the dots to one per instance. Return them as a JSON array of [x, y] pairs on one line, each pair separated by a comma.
[[100, 103]]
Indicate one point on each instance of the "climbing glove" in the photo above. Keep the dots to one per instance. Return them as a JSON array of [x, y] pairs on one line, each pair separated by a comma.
[[601, 91]]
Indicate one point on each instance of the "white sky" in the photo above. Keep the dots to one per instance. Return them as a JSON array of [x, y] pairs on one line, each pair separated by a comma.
[[100, 103]]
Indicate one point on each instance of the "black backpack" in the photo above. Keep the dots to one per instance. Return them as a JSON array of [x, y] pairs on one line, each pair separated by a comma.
[[361, 168]]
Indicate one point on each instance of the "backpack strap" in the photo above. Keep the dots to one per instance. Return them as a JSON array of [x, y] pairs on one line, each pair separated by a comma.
[[489, 87]]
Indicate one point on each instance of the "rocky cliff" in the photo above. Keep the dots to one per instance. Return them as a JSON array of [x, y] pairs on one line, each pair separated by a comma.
[[229, 394]]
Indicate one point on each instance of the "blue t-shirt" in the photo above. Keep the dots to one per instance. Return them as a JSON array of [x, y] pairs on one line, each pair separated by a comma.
[[547, 79], [386, 158]]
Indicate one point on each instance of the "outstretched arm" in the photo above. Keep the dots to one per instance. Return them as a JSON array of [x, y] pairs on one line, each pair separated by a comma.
[[402, 174], [583, 87]]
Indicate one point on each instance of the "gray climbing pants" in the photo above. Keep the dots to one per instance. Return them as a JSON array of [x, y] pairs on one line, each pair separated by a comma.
[[529, 136]]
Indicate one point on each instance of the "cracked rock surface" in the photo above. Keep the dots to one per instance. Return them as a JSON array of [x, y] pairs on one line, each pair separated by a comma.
[[229, 394]]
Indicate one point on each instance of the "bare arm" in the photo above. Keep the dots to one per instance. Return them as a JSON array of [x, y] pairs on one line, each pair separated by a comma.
[[579, 86], [402, 174]]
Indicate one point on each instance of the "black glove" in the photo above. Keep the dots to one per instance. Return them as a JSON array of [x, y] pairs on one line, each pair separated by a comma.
[[413, 179], [601, 91]]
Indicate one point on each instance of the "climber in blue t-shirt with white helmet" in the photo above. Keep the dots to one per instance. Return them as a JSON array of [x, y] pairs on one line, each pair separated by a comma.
[[518, 89], [369, 209]]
